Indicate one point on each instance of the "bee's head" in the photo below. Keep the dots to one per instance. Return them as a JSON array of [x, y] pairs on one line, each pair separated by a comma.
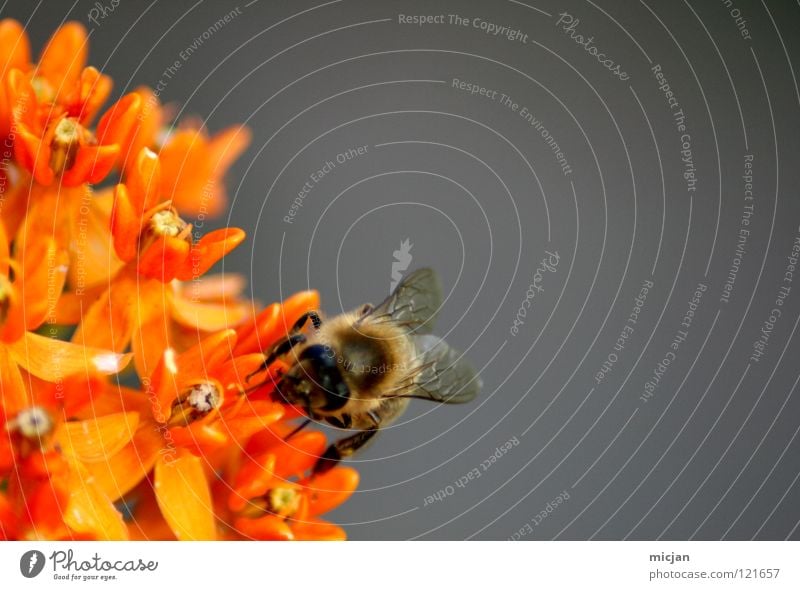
[[314, 382]]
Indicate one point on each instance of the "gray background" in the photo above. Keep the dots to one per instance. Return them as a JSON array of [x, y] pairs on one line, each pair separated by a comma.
[[714, 453]]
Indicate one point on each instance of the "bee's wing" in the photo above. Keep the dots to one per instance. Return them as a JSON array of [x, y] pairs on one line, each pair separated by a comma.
[[413, 303], [444, 375]]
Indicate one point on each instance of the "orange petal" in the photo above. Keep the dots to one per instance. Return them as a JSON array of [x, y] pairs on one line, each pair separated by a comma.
[[110, 321], [227, 146], [266, 528], [22, 103], [64, 56], [72, 393], [4, 251], [184, 497], [254, 478], [49, 216], [117, 123], [233, 374], [202, 436], [15, 53], [92, 252], [92, 165], [9, 523], [44, 272], [93, 90], [98, 439], [13, 395], [318, 530], [77, 391], [258, 334], [33, 154], [117, 398], [91, 512], [218, 154], [126, 224], [13, 327], [149, 342], [17, 196], [164, 258], [119, 474], [186, 169], [47, 504], [296, 305], [209, 250], [174, 372], [15, 48], [209, 317], [208, 354], [216, 288], [262, 414], [275, 321], [298, 454], [330, 489], [7, 460], [145, 132], [143, 181], [51, 359]]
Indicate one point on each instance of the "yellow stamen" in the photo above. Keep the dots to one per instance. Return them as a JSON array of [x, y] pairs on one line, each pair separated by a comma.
[[32, 423], [195, 403], [166, 222], [282, 502], [65, 144]]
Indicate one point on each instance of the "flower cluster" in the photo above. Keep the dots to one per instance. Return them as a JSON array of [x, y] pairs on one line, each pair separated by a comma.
[[125, 410]]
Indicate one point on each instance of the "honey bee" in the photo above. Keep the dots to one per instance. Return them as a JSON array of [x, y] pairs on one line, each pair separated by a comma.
[[359, 370]]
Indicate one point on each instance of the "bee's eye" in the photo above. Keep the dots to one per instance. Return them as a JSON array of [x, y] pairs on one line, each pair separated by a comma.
[[329, 392]]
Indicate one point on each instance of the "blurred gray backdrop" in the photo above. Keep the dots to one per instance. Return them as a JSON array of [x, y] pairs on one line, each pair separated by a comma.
[[577, 172]]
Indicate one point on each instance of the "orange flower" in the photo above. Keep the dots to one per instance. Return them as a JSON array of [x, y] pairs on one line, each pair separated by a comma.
[[55, 142], [274, 499], [48, 494], [274, 322], [143, 303], [193, 166], [44, 381], [58, 76], [25, 303], [152, 119], [192, 163], [43, 449], [15, 53], [124, 267], [49, 105], [200, 413], [149, 230]]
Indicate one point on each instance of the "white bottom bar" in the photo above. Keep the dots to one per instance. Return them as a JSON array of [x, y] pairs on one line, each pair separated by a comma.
[[618, 565]]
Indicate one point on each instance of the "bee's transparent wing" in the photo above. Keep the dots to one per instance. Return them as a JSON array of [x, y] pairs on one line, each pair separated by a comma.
[[444, 375], [413, 303]]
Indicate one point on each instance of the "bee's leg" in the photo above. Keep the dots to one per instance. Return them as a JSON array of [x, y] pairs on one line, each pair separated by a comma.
[[298, 429], [309, 315], [280, 349], [341, 449], [346, 446], [285, 345]]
